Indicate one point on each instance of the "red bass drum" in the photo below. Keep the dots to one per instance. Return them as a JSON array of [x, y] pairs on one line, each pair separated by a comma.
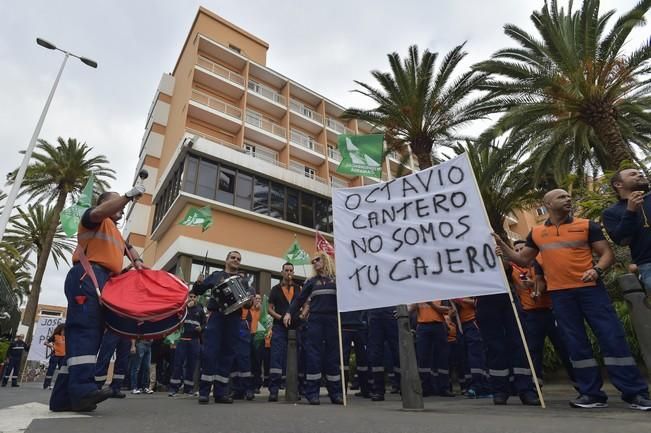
[[144, 303]]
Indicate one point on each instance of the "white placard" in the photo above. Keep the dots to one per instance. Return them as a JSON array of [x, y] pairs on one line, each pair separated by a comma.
[[418, 238], [44, 327]]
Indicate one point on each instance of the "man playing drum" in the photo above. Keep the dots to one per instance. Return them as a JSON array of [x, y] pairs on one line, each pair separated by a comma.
[[100, 241], [221, 333]]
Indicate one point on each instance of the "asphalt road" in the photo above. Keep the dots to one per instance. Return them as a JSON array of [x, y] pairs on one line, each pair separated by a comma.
[[160, 413]]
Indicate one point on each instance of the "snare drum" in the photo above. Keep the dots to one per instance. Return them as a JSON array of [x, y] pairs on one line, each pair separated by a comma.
[[231, 294]]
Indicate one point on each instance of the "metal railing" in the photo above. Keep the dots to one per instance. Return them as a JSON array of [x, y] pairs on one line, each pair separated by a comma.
[[213, 139], [216, 104], [334, 154], [338, 127], [300, 169], [305, 141], [305, 111], [220, 70], [255, 120], [263, 153], [338, 183], [266, 92]]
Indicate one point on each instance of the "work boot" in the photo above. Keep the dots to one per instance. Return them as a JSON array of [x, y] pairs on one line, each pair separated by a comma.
[[500, 398], [273, 396], [92, 398], [377, 397], [529, 398], [224, 399], [204, 399]]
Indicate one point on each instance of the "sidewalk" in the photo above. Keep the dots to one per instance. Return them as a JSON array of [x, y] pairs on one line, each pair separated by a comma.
[[160, 413]]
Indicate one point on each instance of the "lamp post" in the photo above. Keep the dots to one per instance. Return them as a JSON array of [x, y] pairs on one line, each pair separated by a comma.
[[30, 148]]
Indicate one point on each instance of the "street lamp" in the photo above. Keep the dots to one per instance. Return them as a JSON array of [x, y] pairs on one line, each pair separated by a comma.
[[28, 153]]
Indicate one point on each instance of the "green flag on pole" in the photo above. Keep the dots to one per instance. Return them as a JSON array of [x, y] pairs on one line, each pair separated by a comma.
[[296, 255], [71, 216], [361, 155], [198, 217]]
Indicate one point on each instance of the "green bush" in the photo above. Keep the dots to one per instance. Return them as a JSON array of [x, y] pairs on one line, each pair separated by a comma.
[[4, 345]]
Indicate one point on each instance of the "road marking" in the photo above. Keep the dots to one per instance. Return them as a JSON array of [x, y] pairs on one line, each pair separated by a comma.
[[16, 419]]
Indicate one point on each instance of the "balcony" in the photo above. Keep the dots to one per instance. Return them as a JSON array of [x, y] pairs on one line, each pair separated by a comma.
[[266, 99], [214, 111], [216, 76], [334, 154], [213, 138], [305, 171], [305, 117], [258, 151], [338, 183], [306, 147], [336, 128], [264, 131]]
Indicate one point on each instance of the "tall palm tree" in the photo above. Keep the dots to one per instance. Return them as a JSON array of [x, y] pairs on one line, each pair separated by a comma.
[[56, 172], [572, 88], [28, 233], [419, 108], [505, 184]]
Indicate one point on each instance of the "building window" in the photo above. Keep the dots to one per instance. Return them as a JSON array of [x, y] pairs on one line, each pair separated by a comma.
[[253, 118], [244, 191], [292, 205], [226, 190], [310, 172], [541, 211], [307, 210], [207, 180], [277, 202], [261, 196], [249, 149], [234, 48]]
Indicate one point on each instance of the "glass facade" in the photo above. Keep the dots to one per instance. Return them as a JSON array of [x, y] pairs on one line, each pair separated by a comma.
[[245, 190]]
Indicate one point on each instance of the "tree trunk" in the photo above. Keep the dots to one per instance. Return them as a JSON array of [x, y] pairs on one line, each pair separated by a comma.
[[424, 160], [607, 129], [32, 303]]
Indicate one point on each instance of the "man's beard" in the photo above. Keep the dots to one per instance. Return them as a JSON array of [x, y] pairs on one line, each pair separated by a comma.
[[644, 187]]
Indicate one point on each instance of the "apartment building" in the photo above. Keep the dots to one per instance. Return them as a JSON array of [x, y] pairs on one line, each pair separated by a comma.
[[227, 131]]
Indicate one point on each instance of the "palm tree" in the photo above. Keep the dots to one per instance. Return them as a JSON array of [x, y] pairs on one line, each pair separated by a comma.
[[571, 88], [418, 108], [28, 231], [57, 172], [505, 184]]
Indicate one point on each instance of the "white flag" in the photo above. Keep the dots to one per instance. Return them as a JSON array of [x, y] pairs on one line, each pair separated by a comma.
[[419, 238]]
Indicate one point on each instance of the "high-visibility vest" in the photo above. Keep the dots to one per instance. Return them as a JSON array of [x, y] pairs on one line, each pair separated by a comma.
[[427, 314], [103, 245], [566, 253]]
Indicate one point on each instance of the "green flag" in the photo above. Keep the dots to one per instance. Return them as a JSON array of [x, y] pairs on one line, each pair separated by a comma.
[[71, 216], [198, 217], [361, 155], [296, 255], [265, 321]]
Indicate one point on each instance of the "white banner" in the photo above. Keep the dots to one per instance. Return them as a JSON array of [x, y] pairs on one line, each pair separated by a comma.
[[419, 238], [43, 330]]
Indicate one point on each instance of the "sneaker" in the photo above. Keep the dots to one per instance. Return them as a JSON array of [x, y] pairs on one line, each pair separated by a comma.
[[136, 391], [587, 402], [204, 399], [640, 403], [337, 399], [500, 398], [529, 399], [147, 391], [224, 399], [377, 397], [249, 395], [171, 394]]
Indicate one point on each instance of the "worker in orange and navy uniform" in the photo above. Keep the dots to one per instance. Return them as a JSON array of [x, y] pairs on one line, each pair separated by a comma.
[[241, 374], [470, 337], [188, 348], [456, 360], [101, 250], [15, 353], [539, 321], [578, 294], [432, 350], [57, 344]]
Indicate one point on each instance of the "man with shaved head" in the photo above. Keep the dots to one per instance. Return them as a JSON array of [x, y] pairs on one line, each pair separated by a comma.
[[578, 294], [627, 221]]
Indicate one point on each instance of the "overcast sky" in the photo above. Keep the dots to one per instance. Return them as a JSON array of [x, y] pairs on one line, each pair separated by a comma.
[[322, 45]]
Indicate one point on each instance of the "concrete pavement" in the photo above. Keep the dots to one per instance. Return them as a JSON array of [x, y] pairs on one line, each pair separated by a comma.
[[160, 413]]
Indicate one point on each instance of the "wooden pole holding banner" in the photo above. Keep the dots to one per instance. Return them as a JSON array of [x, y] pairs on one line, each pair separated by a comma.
[[341, 360], [534, 376]]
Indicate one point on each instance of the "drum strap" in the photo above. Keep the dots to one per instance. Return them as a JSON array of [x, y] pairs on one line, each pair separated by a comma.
[[88, 269]]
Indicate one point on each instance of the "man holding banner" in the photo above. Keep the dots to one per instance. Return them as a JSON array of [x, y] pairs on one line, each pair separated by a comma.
[[578, 294], [415, 239]]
